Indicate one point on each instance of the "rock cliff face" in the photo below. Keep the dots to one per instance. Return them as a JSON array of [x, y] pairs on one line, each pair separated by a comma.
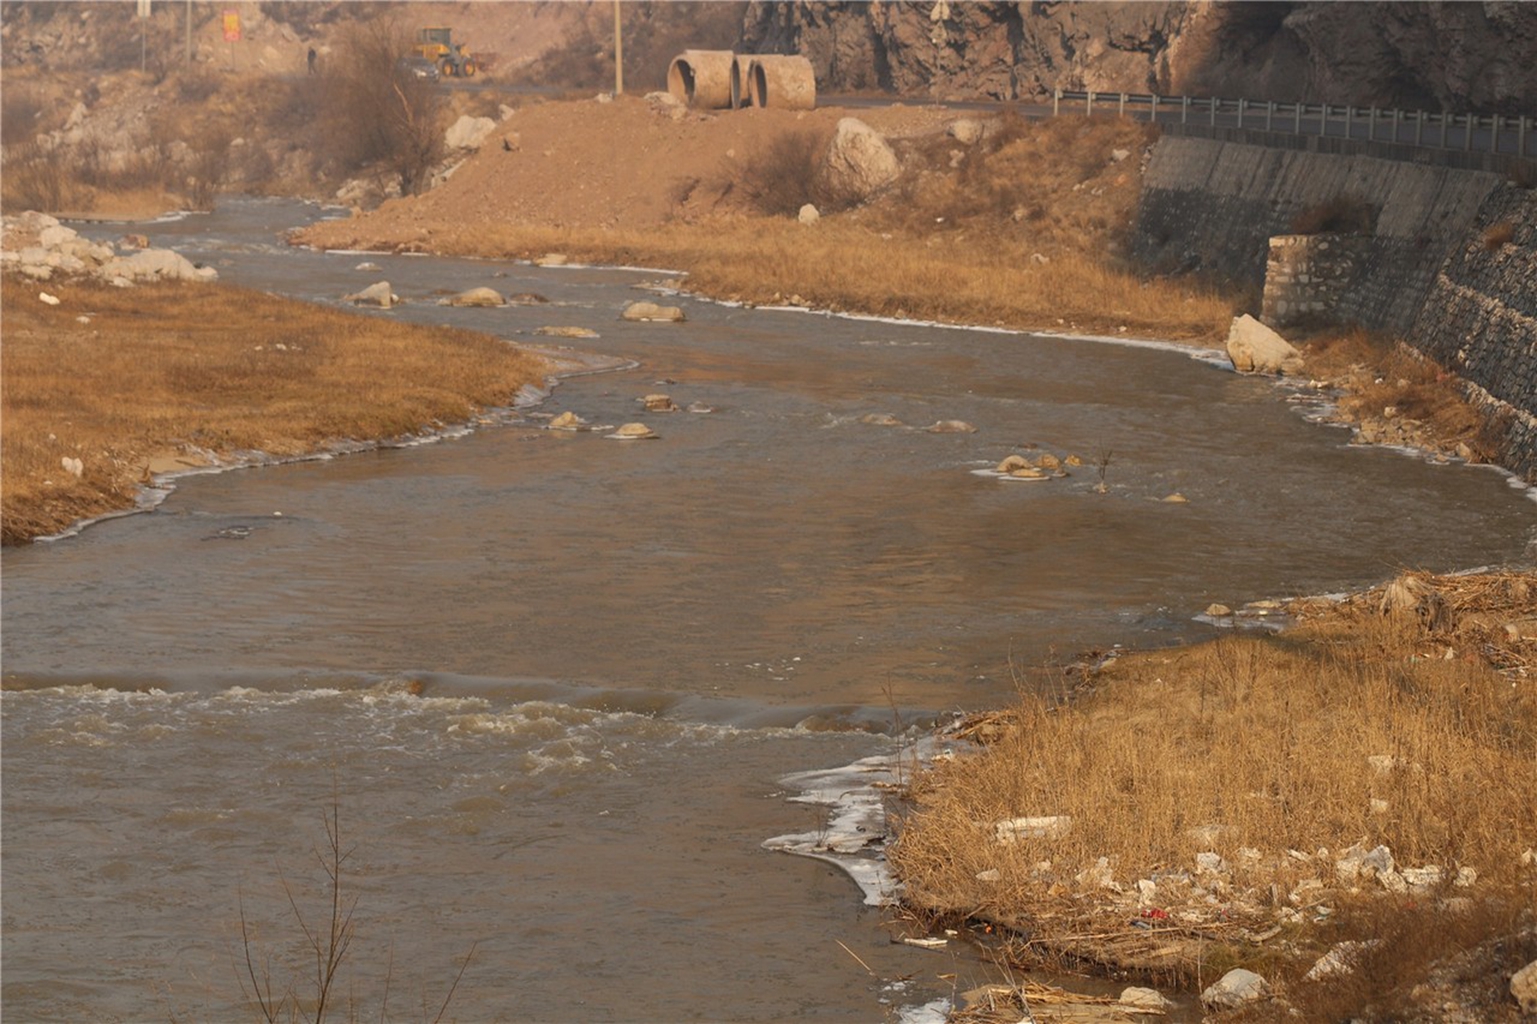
[[1435, 56]]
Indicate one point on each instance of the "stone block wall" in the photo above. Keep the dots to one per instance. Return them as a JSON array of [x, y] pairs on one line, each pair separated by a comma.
[[1424, 272], [1479, 317], [1308, 276], [1212, 206]]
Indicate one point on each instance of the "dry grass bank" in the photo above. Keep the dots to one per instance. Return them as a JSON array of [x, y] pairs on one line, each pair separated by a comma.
[[1394, 395], [1022, 228], [211, 370], [849, 268], [1203, 801]]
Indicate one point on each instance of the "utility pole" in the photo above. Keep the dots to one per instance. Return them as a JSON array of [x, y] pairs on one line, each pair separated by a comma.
[[618, 54], [143, 11]]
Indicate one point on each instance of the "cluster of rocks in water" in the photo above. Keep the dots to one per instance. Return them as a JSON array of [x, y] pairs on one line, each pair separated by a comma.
[[381, 295], [656, 403], [37, 246]]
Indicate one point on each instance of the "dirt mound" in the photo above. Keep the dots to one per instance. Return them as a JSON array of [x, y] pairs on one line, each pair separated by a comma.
[[628, 163]]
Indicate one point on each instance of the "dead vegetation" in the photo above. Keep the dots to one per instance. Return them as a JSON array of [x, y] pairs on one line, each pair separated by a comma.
[[1183, 812], [176, 137], [159, 370], [1025, 230], [1341, 215], [1394, 395], [311, 989]]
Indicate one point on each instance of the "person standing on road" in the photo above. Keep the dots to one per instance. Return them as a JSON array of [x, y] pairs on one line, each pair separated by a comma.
[[312, 60]]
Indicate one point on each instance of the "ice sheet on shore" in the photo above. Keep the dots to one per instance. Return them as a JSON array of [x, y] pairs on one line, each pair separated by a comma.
[[854, 838]]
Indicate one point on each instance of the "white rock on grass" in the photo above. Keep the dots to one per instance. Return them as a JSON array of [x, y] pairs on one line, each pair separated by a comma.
[[1099, 875], [468, 132], [1209, 864], [1340, 960], [157, 265], [1359, 863], [1014, 829], [1236, 988], [858, 162], [966, 131], [1523, 986]]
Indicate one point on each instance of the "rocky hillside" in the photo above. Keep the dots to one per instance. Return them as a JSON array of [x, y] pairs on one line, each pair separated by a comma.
[[1462, 56], [1434, 56]]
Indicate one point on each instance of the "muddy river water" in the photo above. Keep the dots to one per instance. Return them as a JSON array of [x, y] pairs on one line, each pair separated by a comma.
[[551, 683]]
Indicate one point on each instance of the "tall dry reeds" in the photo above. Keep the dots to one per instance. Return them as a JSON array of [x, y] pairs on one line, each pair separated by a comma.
[[172, 368], [1278, 754]]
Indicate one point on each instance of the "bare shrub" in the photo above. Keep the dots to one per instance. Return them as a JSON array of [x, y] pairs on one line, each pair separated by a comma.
[[376, 113], [198, 83], [1341, 215], [781, 177], [21, 111], [35, 180], [584, 62], [207, 169], [325, 938], [1499, 235]]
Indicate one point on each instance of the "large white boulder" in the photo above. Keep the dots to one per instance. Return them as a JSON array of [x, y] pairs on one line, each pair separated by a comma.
[[1255, 348], [157, 265], [651, 312], [858, 162], [476, 297], [468, 132], [1236, 988], [378, 294]]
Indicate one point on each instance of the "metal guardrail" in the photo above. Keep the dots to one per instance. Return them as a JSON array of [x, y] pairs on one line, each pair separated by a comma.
[[1515, 136]]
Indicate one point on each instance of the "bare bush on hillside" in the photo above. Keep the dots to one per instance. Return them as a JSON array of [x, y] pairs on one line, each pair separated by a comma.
[[21, 112], [377, 114], [1343, 215], [782, 177], [32, 181]]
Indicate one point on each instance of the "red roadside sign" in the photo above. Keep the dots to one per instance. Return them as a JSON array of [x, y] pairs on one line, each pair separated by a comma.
[[231, 27]]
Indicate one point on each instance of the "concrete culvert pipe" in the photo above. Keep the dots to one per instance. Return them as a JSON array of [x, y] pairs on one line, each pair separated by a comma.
[[786, 83], [701, 78], [741, 79]]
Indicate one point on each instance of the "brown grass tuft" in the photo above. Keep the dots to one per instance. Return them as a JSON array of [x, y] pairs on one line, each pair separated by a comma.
[[1499, 235], [1342, 215], [198, 368]]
